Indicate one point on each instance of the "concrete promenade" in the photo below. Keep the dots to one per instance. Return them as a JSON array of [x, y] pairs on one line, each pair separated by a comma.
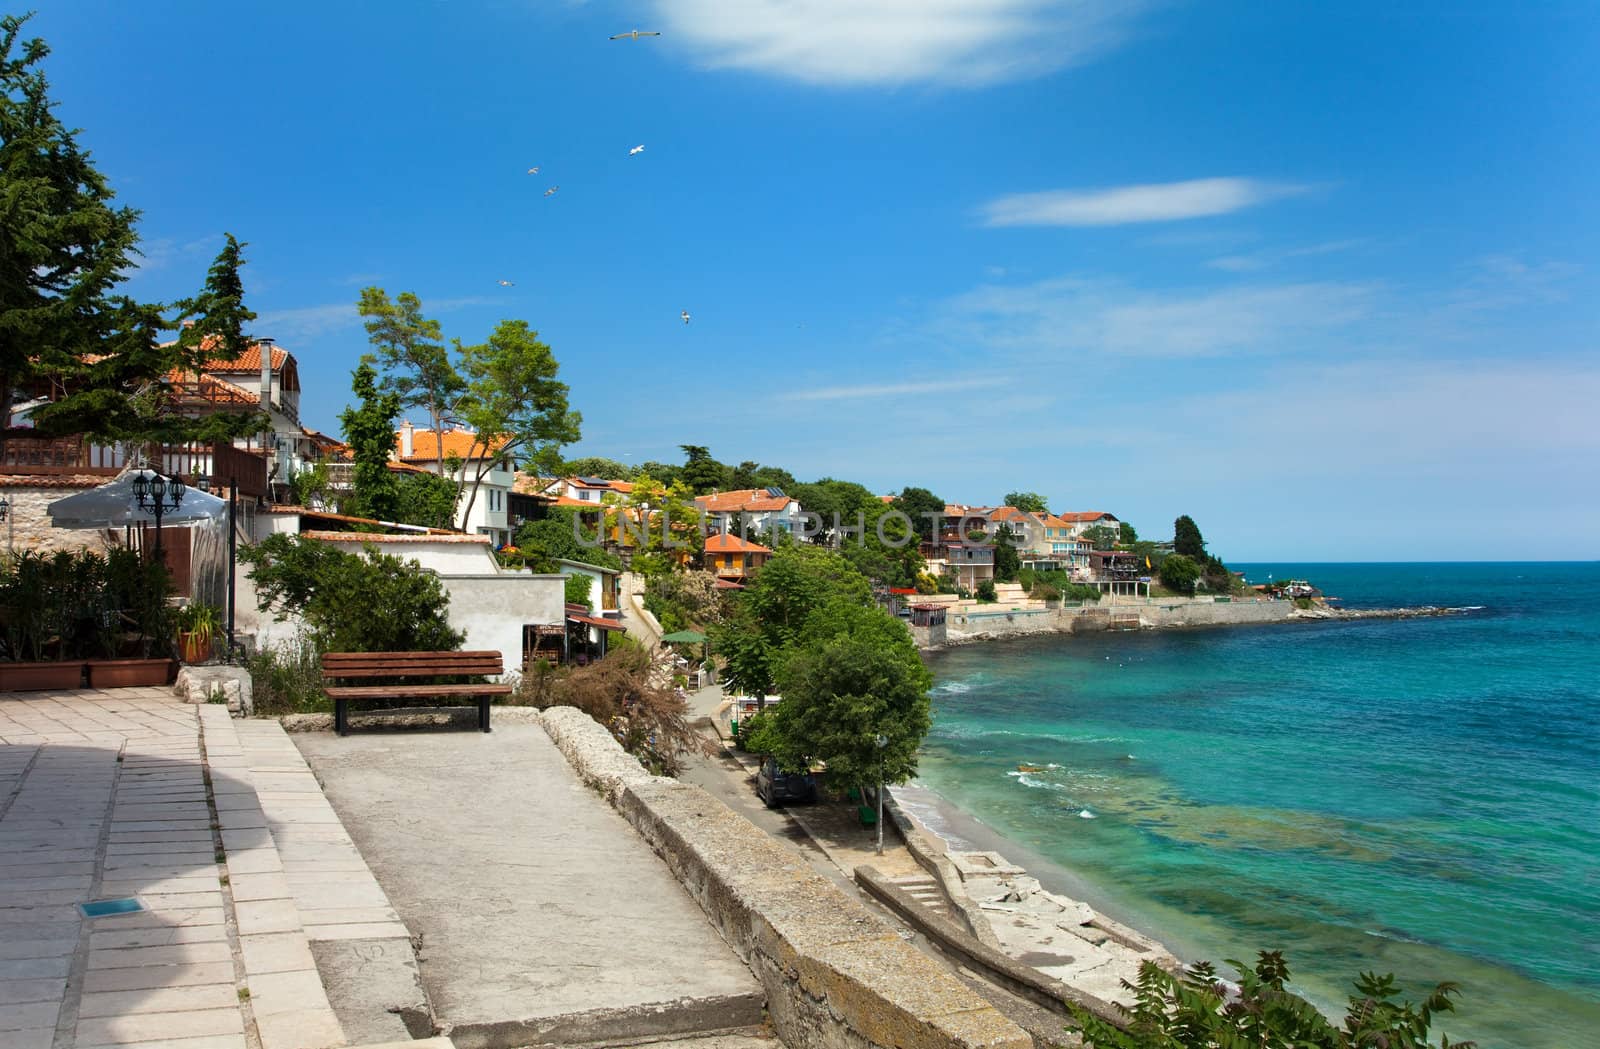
[[542, 915]]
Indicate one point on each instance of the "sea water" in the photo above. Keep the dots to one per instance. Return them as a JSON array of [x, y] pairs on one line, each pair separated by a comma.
[[1416, 796]]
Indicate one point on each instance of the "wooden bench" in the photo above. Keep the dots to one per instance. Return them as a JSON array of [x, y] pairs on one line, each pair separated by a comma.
[[369, 666]]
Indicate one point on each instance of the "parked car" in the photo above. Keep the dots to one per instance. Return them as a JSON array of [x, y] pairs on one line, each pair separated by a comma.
[[775, 786]]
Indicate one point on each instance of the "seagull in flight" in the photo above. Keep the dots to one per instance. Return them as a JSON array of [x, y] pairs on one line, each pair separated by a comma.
[[636, 150], [551, 191], [634, 35], [685, 315], [506, 283], [533, 171]]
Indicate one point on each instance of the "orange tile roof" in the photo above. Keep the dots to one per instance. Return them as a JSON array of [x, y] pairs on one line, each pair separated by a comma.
[[1082, 517], [248, 361], [463, 443], [726, 543], [620, 487], [755, 500], [220, 391], [380, 537]]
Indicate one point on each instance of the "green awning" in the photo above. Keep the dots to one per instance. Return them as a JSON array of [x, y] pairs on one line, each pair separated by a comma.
[[686, 637]]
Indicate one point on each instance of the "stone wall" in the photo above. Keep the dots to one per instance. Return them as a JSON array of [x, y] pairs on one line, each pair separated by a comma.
[[27, 525], [835, 976], [1158, 613]]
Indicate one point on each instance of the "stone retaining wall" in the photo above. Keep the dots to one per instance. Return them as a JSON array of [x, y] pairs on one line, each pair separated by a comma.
[[835, 976], [1158, 614], [28, 526]]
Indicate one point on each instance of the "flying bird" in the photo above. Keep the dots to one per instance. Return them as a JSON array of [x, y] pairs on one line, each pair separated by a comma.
[[636, 150], [506, 283], [634, 35], [533, 171], [685, 316], [551, 191]]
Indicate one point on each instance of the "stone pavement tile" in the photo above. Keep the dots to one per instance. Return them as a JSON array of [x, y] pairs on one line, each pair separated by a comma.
[[337, 896], [285, 992], [215, 1041], [46, 883], [10, 860], [276, 952], [97, 981], [191, 998], [154, 869], [240, 819], [183, 900], [35, 968], [60, 869], [271, 886], [146, 827], [12, 950], [32, 1038], [254, 861], [176, 954], [157, 936], [300, 1029], [359, 931], [44, 897], [237, 802], [348, 915], [151, 1026], [124, 885], [261, 916], [16, 992], [29, 915], [248, 838], [31, 1014], [164, 918]]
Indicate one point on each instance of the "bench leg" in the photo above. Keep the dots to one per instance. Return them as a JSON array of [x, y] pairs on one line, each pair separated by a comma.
[[483, 713], [341, 718]]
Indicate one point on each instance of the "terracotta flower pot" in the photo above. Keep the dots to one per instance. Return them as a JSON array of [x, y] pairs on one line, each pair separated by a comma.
[[194, 647], [125, 673], [35, 677]]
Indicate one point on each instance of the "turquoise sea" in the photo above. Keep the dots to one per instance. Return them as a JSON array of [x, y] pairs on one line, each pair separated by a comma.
[[1412, 796]]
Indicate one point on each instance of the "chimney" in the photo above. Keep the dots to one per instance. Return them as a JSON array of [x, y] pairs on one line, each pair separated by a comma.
[[264, 346], [405, 439]]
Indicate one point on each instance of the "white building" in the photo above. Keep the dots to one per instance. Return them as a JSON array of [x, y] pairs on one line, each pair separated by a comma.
[[490, 511]]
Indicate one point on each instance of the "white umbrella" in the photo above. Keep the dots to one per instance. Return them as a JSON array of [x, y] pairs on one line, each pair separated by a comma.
[[113, 504]]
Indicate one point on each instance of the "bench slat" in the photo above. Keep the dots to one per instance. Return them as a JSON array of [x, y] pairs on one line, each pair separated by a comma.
[[432, 670], [414, 691]]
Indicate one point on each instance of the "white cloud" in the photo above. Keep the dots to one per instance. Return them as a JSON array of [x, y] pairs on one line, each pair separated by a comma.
[[1261, 260], [902, 389], [1156, 202], [860, 42], [309, 322], [1094, 317]]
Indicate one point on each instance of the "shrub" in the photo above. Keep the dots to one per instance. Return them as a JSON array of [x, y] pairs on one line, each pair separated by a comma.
[[287, 678], [367, 602], [577, 589], [986, 592], [1179, 573]]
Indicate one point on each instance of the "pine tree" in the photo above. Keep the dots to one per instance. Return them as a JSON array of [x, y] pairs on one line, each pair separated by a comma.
[[369, 431], [1186, 538]]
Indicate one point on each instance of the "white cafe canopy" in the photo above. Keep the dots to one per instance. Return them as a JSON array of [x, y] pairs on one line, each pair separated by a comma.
[[113, 504]]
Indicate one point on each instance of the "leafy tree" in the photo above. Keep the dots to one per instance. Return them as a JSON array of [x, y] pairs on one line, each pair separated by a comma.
[[855, 677], [891, 558], [338, 595], [369, 431], [1186, 538], [917, 503], [1028, 502], [425, 499], [668, 519], [1127, 535], [577, 589], [1179, 573], [829, 499], [986, 592], [772, 613], [415, 363], [514, 402], [1104, 537], [596, 466], [750, 474], [64, 246], [1196, 1010], [666, 473], [1006, 561], [702, 473], [555, 536]]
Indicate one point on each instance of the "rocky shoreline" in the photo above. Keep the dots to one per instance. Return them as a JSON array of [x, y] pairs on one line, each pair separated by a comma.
[[1418, 612]]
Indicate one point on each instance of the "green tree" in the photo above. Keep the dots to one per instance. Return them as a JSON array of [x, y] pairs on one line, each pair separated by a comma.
[[336, 594], [64, 246], [1195, 1010], [986, 592], [702, 473], [1179, 572], [1186, 538], [555, 537], [666, 473], [1028, 502], [844, 501], [773, 611], [1127, 535], [369, 431], [425, 499], [514, 403], [1104, 537], [1007, 563], [595, 466], [855, 677], [750, 474], [918, 504], [576, 588], [416, 365]]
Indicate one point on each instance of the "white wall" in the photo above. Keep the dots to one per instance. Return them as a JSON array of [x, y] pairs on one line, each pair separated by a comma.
[[493, 609], [444, 555]]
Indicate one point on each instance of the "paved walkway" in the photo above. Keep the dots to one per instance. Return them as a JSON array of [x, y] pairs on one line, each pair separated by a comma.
[[107, 794], [543, 916]]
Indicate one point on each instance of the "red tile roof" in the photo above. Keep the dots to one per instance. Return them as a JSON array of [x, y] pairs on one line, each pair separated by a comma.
[[1085, 517], [248, 361], [725, 543], [380, 537], [463, 443], [752, 500]]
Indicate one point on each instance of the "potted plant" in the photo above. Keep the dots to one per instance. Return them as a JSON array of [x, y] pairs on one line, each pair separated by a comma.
[[33, 613], [139, 591], [197, 624]]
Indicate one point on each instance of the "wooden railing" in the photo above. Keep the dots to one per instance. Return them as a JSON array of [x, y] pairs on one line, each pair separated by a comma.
[[28, 454]]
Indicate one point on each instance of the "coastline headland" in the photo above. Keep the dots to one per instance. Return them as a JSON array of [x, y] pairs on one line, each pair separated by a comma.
[[965, 623]]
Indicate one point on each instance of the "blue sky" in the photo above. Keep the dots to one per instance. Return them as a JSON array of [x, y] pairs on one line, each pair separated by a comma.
[[1322, 276]]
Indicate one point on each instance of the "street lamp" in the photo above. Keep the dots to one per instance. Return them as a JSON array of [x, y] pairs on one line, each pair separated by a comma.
[[882, 741], [157, 495], [5, 515]]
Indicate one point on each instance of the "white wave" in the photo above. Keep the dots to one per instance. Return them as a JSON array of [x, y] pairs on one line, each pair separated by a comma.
[[1085, 814]]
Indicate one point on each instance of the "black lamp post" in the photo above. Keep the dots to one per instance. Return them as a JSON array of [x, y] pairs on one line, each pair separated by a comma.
[[5, 515], [157, 495]]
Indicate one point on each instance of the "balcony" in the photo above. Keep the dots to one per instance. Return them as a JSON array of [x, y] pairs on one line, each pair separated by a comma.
[[25, 453]]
